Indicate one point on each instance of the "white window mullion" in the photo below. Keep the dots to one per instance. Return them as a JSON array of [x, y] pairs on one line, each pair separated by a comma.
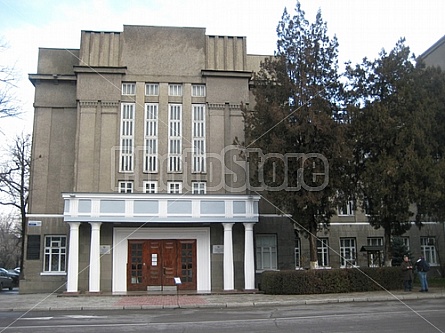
[[175, 138], [151, 138], [198, 138], [127, 138]]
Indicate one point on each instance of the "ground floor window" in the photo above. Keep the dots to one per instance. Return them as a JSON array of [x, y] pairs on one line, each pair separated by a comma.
[[348, 252], [297, 253], [323, 252], [373, 258], [428, 249], [266, 252], [55, 254]]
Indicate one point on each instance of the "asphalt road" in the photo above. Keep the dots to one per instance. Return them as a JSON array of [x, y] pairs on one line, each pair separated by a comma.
[[412, 316]]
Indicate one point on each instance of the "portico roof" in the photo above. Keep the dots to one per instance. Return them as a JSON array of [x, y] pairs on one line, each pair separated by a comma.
[[160, 208]]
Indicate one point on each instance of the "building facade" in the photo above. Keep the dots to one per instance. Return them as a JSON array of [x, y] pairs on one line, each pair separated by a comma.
[[136, 184]]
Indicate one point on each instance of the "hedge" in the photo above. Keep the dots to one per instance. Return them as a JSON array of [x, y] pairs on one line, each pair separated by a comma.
[[324, 281]]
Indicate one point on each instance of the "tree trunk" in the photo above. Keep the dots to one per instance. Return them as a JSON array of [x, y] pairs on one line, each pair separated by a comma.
[[313, 264], [388, 248]]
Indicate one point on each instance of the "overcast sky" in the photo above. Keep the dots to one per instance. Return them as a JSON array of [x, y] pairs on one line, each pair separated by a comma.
[[363, 27]]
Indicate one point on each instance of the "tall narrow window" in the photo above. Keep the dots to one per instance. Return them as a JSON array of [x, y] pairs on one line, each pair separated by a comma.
[[151, 138], [198, 138], [175, 138], [129, 88], [375, 258], [428, 249], [266, 252], [323, 252], [127, 138], [347, 252], [297, 253], [55, 254]]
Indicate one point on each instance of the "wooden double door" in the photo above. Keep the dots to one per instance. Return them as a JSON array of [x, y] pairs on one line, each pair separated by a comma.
[[154, 264]]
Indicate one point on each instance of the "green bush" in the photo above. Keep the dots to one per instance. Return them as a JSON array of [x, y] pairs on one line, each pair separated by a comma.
[[324, 281]]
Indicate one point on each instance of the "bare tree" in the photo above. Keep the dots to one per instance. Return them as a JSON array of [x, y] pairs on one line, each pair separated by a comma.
[[8, 80], [10, 241], [14, 180]]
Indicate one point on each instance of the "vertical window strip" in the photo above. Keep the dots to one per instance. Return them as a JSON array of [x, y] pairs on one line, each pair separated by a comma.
[[198, 138], [175, 138], [127, 138], [151, 138]]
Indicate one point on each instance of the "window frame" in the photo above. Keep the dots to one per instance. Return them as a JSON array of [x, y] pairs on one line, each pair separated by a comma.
[[150, 183], [198, 90], [151, 87], [199, 187], [428, 249], [323, 252], [175, 89], [263, 251], [128, 88], [48, 255], [348, 252], [171, 190], [125, 186]]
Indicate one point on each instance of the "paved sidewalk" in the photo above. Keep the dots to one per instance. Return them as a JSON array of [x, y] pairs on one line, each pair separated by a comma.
[[45, 302]]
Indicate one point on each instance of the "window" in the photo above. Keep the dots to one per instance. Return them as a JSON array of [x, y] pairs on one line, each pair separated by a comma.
[[266, 252], [405, 241], [373, 259], [129, 88], [175, 138], [127, 138], [198, 90], [198, 188], [347, 209], [151, 186], [125, 187], [297, 253], [347, 252], [323, 252], [175, 89], [428, 249], [55, 254], [174, 187], [198, 138], [151, 89], [151, 138]]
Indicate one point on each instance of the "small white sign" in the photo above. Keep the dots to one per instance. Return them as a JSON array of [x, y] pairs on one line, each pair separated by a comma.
[[218, 249], [34, 223], [105, 249], [177, 280]]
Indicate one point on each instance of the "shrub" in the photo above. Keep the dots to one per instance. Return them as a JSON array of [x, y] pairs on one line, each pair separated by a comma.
[[331, 281]]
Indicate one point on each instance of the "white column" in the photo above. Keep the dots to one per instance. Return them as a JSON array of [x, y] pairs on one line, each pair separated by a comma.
[[95, 258], [249, 260], [228, 257], [73, 259]]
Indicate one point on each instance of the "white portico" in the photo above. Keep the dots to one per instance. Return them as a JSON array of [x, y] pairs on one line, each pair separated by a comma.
[[142, 221]]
